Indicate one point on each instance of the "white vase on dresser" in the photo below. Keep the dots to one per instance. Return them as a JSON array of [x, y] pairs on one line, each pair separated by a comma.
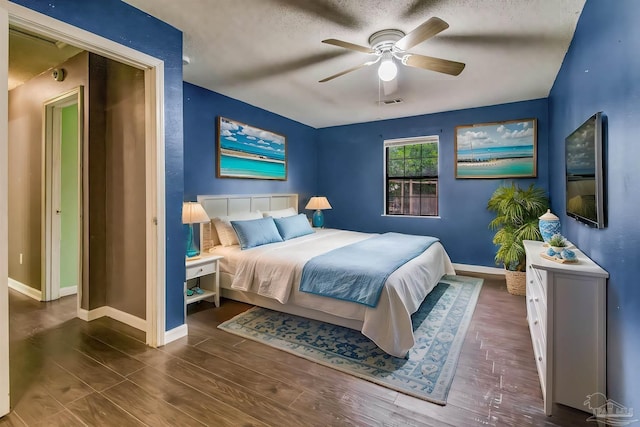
[[566, 312]]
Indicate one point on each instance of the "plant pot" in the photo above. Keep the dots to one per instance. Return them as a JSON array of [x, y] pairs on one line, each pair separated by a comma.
[[516, 282]]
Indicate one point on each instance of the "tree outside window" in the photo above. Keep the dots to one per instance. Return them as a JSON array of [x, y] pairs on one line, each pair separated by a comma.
[[411, 176]]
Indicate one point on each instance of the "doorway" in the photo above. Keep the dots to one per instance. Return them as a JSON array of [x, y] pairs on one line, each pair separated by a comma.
[[63, 120], [154, 215]]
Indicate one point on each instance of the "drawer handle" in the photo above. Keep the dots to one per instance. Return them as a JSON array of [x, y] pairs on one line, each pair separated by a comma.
[[539, 358], [530, 299], [535, 322], [531, 282], [537, 299]]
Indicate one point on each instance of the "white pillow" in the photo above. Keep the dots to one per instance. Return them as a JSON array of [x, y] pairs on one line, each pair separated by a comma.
[[226, 233], [280, 213]]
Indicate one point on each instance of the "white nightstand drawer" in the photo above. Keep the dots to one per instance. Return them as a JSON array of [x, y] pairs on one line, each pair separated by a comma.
[[206, 288], [200, 270]]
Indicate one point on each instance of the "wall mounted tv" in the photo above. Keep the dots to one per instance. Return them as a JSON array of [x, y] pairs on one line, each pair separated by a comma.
[[584, 158]]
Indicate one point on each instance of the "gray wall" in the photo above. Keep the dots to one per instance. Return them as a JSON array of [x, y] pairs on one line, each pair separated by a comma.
[[114, 251], [116, 190], [125, 189], [26, 174]]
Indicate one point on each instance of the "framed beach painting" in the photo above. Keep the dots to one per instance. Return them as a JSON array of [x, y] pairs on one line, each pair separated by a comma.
[[245, 151], [497, 150]]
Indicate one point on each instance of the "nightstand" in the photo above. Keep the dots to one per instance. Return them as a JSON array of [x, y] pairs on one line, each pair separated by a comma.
[[207, 270]]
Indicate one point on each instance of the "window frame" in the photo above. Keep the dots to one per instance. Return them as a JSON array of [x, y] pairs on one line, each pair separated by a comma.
[[428, 139]]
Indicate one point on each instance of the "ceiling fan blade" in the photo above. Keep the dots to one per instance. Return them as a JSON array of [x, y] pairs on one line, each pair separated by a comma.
[[434, 64], [342, 73], [424, 31], [266, 71], [348, 45]]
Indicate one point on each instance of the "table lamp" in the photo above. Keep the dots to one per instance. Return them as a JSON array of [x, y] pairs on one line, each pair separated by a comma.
[[318, 203], [192, 213]]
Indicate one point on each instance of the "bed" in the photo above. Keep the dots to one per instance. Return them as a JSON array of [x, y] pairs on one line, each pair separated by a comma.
[[269, 275]]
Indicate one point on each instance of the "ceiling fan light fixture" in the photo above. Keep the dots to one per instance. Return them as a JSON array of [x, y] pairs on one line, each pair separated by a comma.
[[388, 70], [389, 44]]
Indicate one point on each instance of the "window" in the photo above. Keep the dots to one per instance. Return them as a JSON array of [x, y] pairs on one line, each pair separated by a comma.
[[411, 176]]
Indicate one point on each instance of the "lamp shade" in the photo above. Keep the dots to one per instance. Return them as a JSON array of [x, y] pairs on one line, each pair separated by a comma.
[[318, 203], [193, 212]]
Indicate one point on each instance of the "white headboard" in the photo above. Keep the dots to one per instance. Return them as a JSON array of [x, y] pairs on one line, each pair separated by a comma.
[[232, 204]]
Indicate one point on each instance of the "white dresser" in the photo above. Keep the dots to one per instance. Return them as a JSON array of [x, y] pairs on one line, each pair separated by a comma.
[[566, 312]]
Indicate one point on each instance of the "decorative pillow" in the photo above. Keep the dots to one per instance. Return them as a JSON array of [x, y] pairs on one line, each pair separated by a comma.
[[226, 233], [256, 232], [293, 226], [280, 213]]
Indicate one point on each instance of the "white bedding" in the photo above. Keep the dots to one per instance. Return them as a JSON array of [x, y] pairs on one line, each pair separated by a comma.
[[274, 271]]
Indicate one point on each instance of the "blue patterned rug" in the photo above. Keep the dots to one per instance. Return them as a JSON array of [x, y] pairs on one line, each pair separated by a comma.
[[439, 326]]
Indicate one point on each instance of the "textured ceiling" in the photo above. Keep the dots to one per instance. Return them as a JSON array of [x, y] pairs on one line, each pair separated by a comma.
[[31, 54], [268, 53]]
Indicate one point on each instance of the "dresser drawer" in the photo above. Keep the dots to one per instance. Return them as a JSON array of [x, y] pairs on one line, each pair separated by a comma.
[[539, 351], [538, 279], [537, 315], [536, 298], [194, 271]]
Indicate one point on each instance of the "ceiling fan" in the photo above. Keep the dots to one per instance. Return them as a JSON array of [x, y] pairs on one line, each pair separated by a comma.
[[391, 45]]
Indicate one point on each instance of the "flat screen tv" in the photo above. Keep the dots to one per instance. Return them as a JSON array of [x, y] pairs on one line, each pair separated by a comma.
[[584, 154]]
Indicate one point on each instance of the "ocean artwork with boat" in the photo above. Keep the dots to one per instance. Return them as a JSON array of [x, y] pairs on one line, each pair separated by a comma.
[[496, 150], [245, 151]]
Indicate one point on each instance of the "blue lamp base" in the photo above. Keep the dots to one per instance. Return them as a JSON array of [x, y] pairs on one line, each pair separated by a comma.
[[192, 250], [318, 219]]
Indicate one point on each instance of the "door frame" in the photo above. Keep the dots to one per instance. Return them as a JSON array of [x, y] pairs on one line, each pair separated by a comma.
[[154, 166], [4, 213], [51, 217]]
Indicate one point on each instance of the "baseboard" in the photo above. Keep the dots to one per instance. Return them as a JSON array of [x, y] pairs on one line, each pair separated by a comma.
[[36, 294], [120, 316], [68, 290], [128, 319], [25, 289], [480, 270], [176, 333]]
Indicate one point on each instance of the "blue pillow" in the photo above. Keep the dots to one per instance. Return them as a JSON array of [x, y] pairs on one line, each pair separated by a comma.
[[256, 232], [293, 226]]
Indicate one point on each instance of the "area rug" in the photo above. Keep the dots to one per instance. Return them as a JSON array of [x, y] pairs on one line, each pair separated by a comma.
[[440, 325]]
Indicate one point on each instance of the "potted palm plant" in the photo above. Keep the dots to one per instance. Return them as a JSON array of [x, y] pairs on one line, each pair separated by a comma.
[[517, 210]]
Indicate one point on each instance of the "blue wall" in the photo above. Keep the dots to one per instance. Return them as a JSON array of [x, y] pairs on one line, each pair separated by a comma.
[[201, 110], [352, 177], [127, 25], [601, 72]]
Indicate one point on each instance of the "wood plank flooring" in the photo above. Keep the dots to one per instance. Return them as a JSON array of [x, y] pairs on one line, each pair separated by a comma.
[[66, 372]]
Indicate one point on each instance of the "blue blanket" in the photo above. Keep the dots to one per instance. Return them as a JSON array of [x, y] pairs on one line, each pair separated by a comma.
[[357, 272]]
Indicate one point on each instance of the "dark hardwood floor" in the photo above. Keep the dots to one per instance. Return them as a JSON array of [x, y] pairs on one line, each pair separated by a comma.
[[66, 372]]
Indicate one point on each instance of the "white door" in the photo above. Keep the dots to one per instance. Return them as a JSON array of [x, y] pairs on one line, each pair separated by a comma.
[[62, 222], [4, 232]]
